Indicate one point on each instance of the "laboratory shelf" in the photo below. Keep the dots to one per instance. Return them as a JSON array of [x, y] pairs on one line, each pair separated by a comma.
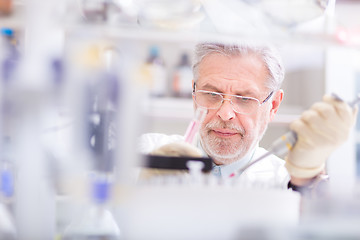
[[206, 30], [320, 32], [145, 34]]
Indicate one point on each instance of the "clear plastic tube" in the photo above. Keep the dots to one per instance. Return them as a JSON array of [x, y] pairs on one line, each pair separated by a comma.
[[194, 125]]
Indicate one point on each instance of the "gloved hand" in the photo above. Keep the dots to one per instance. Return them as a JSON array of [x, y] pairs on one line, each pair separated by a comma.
[[320, 130], [177, 149]]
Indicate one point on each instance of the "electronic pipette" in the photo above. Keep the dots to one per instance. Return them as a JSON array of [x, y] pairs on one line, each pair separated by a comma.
[[284, 144]]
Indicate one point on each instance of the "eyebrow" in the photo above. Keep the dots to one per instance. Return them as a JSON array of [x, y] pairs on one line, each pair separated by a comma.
[[210, 87], [213, 88]]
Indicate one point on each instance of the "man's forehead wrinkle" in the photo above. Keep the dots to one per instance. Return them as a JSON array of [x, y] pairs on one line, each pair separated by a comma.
[[234, 90]]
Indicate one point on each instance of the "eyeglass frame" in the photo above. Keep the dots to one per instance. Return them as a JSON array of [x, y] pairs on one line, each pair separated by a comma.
[[231, 95]]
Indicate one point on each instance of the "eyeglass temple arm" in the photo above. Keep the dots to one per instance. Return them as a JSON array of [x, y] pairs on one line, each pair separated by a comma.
[[268, 97]]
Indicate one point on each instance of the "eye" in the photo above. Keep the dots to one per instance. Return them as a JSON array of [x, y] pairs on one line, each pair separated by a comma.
[[212, 95], [243, 100]]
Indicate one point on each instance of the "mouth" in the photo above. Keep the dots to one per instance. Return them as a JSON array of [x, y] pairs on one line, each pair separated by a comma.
[[225, 133]]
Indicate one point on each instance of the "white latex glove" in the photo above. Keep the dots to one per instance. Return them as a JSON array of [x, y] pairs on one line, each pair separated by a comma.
[[320, 130], [177, 149]]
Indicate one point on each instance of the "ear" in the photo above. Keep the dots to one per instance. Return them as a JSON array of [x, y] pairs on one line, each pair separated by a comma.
[[275, 103], [192, 87]]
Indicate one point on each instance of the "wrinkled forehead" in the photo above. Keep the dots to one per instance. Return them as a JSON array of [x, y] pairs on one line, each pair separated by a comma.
[[265, 51], [233, 74], [249, 56]]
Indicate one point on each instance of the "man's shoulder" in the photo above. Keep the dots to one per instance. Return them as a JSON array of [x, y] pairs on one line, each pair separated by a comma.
[[151, 141]]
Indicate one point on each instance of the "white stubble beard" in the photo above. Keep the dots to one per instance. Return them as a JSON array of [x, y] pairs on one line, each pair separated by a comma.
[[226, 151]]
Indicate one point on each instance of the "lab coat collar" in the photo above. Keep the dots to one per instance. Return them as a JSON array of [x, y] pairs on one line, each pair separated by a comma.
[[228, 169]]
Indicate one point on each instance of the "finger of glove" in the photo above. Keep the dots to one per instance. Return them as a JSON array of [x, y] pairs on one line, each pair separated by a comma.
[[344, 111], [324, 120], [306, 137], [315, 126], [305, 153], [346, 116], [317, 129], [355, 114], [303, 172], [335, 113]]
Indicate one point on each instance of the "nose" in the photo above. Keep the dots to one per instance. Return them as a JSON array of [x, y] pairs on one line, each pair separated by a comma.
[[226, 112]]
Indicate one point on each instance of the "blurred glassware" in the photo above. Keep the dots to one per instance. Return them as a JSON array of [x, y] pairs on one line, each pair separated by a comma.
[[291, 12], [261, 18], [169, 14], [95, 10], [97, 221], [7, 226], [107, 11]]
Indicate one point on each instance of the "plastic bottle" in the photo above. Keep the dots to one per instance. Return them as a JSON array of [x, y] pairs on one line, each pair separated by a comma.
[[7, 169], [9, 54], [182, 78], [154, 73], [96, 123], [96, 222], [7, 226]]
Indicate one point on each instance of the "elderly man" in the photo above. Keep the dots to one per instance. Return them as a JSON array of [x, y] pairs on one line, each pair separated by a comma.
[[239, 85]]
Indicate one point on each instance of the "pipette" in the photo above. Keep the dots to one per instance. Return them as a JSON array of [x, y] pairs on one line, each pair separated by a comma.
[[284, 144], [194, 125]]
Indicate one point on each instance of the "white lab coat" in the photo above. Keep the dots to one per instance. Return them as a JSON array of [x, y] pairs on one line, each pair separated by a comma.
[[268, 172]]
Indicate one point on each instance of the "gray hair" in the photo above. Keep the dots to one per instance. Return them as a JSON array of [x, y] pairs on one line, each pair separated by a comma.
[[268, 54]]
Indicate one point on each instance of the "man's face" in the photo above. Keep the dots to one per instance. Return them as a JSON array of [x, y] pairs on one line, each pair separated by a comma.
[[225, 134]]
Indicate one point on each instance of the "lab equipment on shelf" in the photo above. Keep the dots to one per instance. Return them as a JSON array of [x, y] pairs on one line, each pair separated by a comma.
[[7, 187], [96, 221], [9, 55], [182, 78], [153, 73], [7, 226]]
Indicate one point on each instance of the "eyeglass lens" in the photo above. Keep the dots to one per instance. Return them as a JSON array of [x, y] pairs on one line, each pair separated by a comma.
[[212, 100]]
